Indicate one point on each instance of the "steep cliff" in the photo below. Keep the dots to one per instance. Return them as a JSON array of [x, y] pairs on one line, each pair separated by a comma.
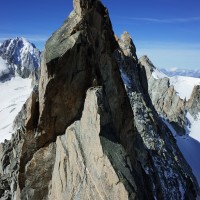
[[84, 134]]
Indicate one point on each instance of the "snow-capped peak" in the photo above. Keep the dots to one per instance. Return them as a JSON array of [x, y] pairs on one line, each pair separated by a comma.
[[18, 47], [28, 47], [22, 56], [18, 60]]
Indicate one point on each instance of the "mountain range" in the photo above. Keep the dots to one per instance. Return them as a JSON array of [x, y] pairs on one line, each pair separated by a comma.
[[99, 123], [182, 72]]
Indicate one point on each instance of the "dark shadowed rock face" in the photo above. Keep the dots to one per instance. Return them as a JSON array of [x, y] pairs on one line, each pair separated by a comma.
[[83, 134]]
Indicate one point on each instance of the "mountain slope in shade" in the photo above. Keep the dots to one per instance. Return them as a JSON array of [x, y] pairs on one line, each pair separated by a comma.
[[189, 146], [22, 58], [4, 67]]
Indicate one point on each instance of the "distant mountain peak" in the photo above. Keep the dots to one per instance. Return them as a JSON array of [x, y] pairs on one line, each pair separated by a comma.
[[21, 56]]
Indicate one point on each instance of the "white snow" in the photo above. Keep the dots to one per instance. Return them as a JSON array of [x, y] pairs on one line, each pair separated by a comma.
[[184, 85], [189, 147], [22, 52], [27, 47], [158, 74], [125, 79], [194, 127], [3, 67], [13, 95]]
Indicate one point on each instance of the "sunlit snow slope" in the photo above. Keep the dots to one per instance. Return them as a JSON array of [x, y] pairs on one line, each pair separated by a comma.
[[13, 95], [182, 84], [19, 60]]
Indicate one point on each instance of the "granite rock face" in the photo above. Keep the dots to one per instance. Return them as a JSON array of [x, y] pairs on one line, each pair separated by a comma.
[[89, 130], [82, 169]]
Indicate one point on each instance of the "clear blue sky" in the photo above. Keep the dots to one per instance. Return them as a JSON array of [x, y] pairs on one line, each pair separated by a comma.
[[168, 31]]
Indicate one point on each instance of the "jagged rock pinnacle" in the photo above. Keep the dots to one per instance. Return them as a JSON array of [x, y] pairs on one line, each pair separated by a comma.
[[126, 43], [81, 5]]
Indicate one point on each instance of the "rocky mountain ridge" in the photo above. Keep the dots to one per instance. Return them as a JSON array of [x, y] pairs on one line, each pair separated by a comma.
[[166, 99], [90, 130], [176, 99]]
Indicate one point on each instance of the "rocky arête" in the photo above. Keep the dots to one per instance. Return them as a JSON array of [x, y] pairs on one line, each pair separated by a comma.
[[80, 140]]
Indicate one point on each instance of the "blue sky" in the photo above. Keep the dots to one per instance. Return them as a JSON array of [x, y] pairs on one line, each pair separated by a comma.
[[168, 31]]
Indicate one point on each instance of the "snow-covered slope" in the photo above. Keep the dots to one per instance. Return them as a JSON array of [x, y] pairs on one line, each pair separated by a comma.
[[157, 74], [13, 95], [189, 147], [190, 144], [182, 84], [18, 60], [194, 127], [21, 56]]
